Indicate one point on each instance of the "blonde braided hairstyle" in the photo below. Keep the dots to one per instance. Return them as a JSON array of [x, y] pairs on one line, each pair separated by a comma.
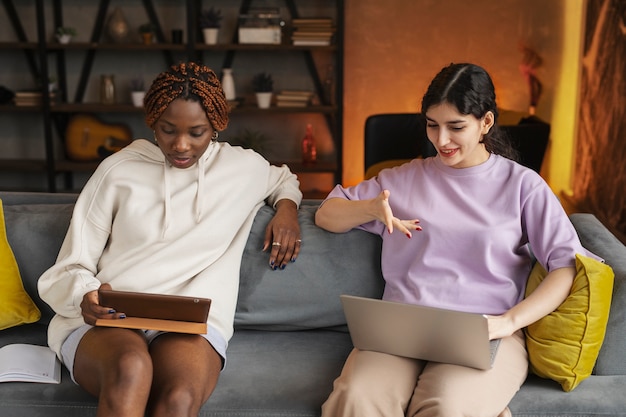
[[189, 81]]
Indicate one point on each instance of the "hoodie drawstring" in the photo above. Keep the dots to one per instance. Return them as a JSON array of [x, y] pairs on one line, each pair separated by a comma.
[[200, 191], [166, 198]]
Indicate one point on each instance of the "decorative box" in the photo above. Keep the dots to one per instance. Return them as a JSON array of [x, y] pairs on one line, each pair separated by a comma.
[[261, 26]]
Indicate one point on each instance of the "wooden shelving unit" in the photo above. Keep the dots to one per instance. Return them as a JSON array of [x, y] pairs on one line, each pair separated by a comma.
[[56, 113]]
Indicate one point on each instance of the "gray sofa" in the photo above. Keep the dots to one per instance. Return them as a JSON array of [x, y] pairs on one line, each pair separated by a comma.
[[290, 340]]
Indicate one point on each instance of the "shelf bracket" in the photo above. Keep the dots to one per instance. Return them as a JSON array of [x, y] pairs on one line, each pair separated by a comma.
[[96, 34], [21, 36]]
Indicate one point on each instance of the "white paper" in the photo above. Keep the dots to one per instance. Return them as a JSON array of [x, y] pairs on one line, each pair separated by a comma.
[[29, 363]]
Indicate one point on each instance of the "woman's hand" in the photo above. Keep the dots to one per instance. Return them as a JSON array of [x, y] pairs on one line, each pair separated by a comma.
[[552, 291], [382, 211], [92, 310], [500, 326], [282, 235]]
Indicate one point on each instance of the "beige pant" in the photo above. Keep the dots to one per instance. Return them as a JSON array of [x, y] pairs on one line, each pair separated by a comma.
[[375, 384]]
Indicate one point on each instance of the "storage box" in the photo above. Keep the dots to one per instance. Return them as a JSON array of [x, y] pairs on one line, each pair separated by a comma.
[[266, 35], [261, 26]]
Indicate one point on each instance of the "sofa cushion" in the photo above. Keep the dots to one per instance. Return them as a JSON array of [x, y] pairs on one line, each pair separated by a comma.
[[306, 293], [598, 239], [564, 345], [35, 233], [16, 307]]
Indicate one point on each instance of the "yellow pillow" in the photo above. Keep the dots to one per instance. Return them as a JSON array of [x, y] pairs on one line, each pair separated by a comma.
[[16, 306], [565, 344]]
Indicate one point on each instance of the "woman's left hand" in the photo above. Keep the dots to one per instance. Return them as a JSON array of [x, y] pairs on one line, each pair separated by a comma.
[[282, 235], [500, 326]]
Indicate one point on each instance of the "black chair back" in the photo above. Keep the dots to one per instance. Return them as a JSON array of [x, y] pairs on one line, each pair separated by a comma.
[[396, 136], [530, 137]]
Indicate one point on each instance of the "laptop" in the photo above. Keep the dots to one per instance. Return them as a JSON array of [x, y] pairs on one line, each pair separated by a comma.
[[419, 332], [171, 313]]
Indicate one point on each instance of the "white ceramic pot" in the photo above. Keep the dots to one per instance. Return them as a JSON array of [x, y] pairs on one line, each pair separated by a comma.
[[65, 38], [264, 99], [137, 98], [210, 35]]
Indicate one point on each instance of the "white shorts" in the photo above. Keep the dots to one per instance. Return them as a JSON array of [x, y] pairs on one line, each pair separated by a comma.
[[69, 347]]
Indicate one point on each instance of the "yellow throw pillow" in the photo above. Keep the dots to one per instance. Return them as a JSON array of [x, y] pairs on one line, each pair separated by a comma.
[[16, 306], [565, 344]]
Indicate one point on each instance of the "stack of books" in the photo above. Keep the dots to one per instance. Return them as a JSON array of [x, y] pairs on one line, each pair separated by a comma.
[[30, 98], [313, 31], [294, 98]]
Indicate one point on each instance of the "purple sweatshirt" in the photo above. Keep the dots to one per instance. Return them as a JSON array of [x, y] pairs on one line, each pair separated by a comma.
[[472, 254]]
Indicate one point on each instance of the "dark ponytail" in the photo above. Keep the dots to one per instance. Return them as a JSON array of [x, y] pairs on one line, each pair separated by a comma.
[[469, 88]]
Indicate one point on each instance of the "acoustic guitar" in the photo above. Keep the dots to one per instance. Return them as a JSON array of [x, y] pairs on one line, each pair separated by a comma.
[[89, 139]]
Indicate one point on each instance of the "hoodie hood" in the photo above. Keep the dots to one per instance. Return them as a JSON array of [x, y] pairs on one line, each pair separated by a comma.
[[148, 150]]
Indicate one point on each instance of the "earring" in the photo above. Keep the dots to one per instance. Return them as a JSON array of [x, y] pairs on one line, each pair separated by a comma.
[[215, 135]]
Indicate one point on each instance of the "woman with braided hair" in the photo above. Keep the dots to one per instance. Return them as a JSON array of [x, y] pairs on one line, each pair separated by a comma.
[[170, 215]]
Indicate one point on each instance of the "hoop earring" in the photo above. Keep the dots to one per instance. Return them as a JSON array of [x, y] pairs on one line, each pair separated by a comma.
[[215, 135]]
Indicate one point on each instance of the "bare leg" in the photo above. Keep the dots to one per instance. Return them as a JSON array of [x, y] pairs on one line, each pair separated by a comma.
[[115, 365], [186, 370]]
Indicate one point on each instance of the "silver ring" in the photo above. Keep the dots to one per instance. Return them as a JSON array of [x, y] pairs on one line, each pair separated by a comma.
[[298, 240], [276, 244]]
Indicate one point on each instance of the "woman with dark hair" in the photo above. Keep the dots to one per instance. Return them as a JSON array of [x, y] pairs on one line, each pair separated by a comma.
[[463, 220], [169, 215]]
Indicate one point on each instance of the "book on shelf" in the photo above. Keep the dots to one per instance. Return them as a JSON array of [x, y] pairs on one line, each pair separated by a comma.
[[305, 93], [30, 98], [312, 21], [311, 42], [319, 34], [312, 32], [292, 103], [293, 98], [29, 363]]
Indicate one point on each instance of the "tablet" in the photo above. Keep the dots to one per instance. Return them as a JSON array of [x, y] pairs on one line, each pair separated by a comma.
[[173, 313]]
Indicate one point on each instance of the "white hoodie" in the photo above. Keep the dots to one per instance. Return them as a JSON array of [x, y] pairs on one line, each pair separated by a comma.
[[141, 225]]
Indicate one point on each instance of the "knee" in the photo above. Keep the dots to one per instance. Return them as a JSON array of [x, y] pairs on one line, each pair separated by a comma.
[[126, 383], [437, 406], [131, 369], [176, 401], [362, 398]]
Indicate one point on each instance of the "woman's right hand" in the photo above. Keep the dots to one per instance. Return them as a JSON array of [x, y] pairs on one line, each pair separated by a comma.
[[383, 212], [92, 310]]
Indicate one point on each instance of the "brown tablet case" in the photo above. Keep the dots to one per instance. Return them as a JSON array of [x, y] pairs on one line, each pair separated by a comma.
[[173, 313]]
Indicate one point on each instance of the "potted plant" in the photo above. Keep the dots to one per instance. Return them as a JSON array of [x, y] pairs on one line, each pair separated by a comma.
[[64, 34], [210, 21], [252, 139], [263, 87], [146, 31], [137, 91]]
